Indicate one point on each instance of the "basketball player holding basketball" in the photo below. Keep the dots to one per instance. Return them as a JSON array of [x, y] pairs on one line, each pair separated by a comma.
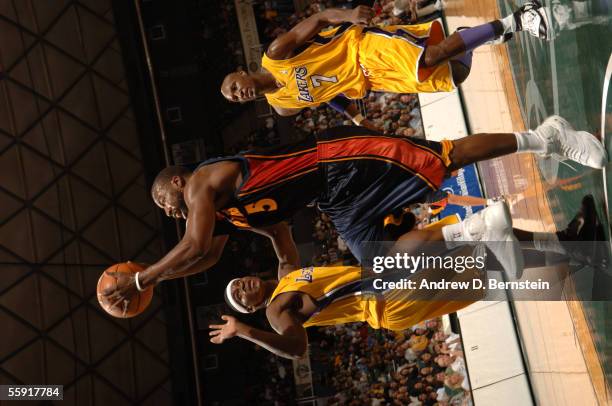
[[357, 177], [306, 66]]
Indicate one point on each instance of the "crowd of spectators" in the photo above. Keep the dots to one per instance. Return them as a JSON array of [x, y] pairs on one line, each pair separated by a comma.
[[266, 135], [330, 247], [422, 366], [397, 114], [271, 380]]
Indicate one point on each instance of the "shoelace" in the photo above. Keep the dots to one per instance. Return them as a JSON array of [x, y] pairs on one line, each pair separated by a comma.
[[477, 222], [532, 21], [560, 159], [572, 153]]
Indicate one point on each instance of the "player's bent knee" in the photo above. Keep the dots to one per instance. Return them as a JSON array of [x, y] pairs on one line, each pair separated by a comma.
[[432, 56], [460, 72]]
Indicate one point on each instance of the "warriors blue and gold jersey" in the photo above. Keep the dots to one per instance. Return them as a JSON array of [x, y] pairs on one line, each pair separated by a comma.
[[355, 175], [276, 183]]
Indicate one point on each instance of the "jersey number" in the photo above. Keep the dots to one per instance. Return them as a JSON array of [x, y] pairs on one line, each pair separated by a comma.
[[238, 219], [317, 79], [263, 205]]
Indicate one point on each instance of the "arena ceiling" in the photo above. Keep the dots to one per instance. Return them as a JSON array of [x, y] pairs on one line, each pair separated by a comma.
[[73, 199]]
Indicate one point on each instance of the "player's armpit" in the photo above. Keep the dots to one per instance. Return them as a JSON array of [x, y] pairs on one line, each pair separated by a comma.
[[292, 334], [285, 112]]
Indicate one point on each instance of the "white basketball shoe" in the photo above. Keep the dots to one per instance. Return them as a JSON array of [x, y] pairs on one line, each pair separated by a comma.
[[532, 17], [563, 141], [492, 226]]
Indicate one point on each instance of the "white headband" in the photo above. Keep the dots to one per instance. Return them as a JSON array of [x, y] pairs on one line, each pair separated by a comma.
[[230, 299]]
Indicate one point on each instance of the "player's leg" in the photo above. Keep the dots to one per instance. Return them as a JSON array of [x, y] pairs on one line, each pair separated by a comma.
[[491, 226], [461, 67], [530, 18], [554, 137]]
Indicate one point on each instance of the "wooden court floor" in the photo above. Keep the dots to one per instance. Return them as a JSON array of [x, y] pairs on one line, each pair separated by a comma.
[[493, 104]]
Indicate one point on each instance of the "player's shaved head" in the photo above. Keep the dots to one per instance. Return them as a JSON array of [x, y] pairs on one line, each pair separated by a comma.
[[167, 191], [239, 87], [164, 179]]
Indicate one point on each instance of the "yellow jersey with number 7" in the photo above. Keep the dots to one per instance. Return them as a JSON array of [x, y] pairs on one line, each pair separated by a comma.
[[350, 60]]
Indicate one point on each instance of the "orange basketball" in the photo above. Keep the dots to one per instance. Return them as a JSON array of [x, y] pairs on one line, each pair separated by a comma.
[[137, 304]]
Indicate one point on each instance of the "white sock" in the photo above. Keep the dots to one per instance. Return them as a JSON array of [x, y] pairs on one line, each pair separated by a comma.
[[427, 10], [467, 230], [509, 24], [454, 232], [548, 242], [529, 141]]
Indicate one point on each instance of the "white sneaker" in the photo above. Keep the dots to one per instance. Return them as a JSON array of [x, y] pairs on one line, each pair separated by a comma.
[[493, 226], [533, 18], [564, 141]]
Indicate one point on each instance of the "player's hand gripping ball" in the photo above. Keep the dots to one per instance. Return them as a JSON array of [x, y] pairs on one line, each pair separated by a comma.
[[117, 292]]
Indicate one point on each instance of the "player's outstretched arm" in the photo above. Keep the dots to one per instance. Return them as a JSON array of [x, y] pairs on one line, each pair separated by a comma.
[[195, 244], [284, 246], [207, 261], [285, 112], [466, 200], [290, 341], [185, 258], [284, 45], [182, 260]]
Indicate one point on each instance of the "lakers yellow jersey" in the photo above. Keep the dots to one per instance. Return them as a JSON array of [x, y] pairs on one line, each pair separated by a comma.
[[336, 289], [351, 60], [343, 296], [391, 59], [327, 67]]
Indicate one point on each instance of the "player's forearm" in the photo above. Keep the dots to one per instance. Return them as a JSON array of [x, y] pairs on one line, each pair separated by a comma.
[[286, 252], [466, 200], [198, 266], [183, 260], [207, 261], [333, 16], [311, 26], [284, 247], [283, 346], [351, 111]]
